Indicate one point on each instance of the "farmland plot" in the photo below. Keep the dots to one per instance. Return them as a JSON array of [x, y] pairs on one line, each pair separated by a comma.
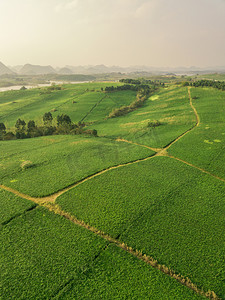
[[12, 206], [170, 211], [46, 165], [170, 107], [204, 146]]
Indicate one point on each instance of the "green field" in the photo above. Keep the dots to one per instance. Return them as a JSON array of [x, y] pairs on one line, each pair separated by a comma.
[[162, 218], [59, 161], [159, 190], [205, 145], [32, 104], [169, 106], [12, 206]]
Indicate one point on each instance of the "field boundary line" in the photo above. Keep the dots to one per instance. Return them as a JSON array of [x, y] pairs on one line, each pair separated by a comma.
[[72, 98], [163, 151], [133, 143], [198, 168], [19, 214], [189, 130], [91, 110], [37, 200], [55, 208], [54, 196]]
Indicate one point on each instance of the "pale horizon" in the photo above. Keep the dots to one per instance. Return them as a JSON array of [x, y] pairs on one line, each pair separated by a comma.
[[153, 33]]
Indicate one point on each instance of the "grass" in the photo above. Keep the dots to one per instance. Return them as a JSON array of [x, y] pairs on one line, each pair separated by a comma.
[[55, 162], [170, 211], [205, 145]]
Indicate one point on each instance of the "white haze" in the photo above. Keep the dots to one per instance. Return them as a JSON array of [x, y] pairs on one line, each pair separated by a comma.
[[167, 33]]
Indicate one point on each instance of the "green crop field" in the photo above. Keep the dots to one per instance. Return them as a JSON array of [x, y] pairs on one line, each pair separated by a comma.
[[135, 211], [59, 161], [205, 145], [32, 104], [169, 106], [12, 206], [162, 218]]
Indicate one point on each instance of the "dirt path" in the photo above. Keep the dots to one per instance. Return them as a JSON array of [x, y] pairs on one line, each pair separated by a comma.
[[133, 143], [52, 198], [189, 130], [198, 168], [95, 105], [147, 259], [49, 203], [158, 152]]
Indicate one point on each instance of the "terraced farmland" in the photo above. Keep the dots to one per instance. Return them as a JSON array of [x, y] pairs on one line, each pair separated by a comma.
[[135, 213]]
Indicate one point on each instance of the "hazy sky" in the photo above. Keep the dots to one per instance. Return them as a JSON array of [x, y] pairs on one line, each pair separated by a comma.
[[113, 32]]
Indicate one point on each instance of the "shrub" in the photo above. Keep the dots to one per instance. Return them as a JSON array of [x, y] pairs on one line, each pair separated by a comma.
[[154, 124], [26, 165]]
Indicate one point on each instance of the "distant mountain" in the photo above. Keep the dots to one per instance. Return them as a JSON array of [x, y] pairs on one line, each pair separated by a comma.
[[36, 70], [4, 70], [65, 71], [29, 69], [16, 69]]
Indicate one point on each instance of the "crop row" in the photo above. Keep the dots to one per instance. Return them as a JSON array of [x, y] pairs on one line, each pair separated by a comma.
[[162, 207], [44, 255], [60, 161], [12, 206], [204, 146], [170, 107]]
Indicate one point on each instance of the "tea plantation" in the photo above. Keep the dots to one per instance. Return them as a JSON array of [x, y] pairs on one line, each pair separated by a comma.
[[134, 211]]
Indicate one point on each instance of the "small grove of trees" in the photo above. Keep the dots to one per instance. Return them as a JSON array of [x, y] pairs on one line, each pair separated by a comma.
[[206, 83], [142, 95], [30, 130], [141, 81]]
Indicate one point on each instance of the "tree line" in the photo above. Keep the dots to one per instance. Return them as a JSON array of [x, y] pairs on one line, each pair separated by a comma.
[[25, 130], [143, 92], [140, 81], [206, 83]]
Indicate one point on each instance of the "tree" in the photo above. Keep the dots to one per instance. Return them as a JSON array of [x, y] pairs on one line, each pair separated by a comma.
[[31, 124], [94, 132], [2, 131], [47, 118], [20, 129], [20, 125], [2, 127], [63, 120]]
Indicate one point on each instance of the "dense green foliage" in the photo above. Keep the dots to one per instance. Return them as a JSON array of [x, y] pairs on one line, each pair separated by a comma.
[[118, 275], [75, 100], [141, 97], [44, 256], [170, 106], [12, 206], [110, 102], [41, 252], [166, 209], [162, 207], [59, 161], [209, 83], [205, 145]]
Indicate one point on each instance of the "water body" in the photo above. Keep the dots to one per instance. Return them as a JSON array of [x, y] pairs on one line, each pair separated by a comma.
[[18, 87]]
